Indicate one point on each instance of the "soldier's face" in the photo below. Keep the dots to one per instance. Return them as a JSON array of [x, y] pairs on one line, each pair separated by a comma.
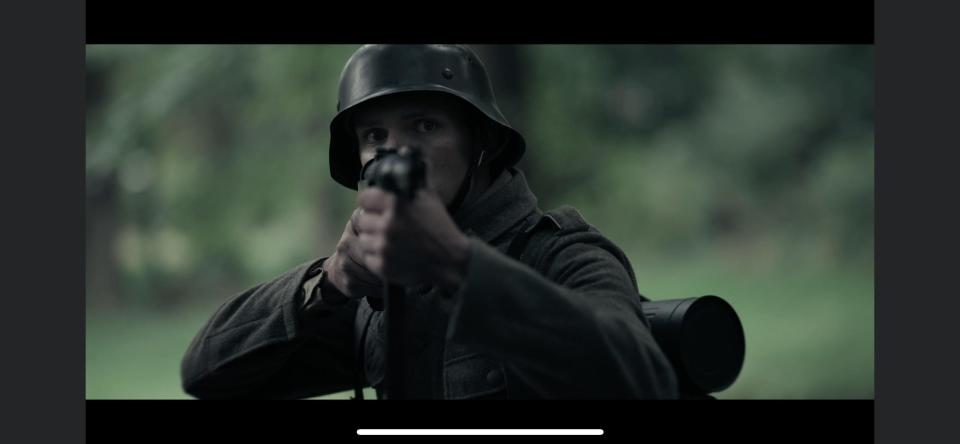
[[435, 123]]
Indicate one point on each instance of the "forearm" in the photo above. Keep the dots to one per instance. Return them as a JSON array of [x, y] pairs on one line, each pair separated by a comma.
[[262, 344]]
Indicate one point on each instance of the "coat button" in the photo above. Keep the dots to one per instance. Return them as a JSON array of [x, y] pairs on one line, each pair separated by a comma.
[[495, 376]]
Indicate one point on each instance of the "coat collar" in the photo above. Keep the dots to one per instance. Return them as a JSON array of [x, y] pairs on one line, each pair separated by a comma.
[[500, 209]]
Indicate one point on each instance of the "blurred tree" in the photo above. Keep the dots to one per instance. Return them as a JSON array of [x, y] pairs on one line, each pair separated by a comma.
[[216, 155], [207, 169]]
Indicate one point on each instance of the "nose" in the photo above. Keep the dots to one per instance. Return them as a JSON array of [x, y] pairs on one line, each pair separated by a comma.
[[402, 147], [393, 141], [396, 140]]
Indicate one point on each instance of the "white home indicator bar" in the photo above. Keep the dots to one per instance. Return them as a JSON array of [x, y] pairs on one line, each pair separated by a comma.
[[485, 432]]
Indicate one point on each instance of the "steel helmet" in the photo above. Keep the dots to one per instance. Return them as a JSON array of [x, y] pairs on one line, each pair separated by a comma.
[[379, 70]]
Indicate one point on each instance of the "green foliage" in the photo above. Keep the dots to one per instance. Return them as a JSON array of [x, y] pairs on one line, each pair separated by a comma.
[[671, 148], [214, 159], [743, 171]]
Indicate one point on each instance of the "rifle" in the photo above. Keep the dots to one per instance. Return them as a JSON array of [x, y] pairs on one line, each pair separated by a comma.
[[402, 174]]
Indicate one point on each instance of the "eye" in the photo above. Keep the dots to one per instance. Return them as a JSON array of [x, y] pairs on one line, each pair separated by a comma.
[[374, 135], [425, 125]]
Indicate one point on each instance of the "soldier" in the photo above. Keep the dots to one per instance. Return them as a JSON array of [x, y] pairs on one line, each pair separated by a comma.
[[502, 299]]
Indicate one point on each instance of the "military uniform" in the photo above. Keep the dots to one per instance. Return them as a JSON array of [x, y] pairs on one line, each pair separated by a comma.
[[570, 326], [558, 318]]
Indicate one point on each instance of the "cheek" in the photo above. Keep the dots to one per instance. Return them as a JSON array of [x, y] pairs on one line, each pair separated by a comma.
[[447, 166]]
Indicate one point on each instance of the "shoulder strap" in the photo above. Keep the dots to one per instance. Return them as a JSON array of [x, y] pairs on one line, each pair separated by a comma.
[[528, 245], [533, 225]]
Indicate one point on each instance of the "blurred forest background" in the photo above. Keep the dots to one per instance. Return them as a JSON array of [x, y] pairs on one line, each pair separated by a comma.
[[741, 171]]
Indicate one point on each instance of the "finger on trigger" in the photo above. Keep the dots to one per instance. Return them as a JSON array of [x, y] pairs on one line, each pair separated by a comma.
[[375, 200]]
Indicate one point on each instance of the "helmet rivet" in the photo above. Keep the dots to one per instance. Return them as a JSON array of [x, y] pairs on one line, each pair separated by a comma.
[[447, 73]]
